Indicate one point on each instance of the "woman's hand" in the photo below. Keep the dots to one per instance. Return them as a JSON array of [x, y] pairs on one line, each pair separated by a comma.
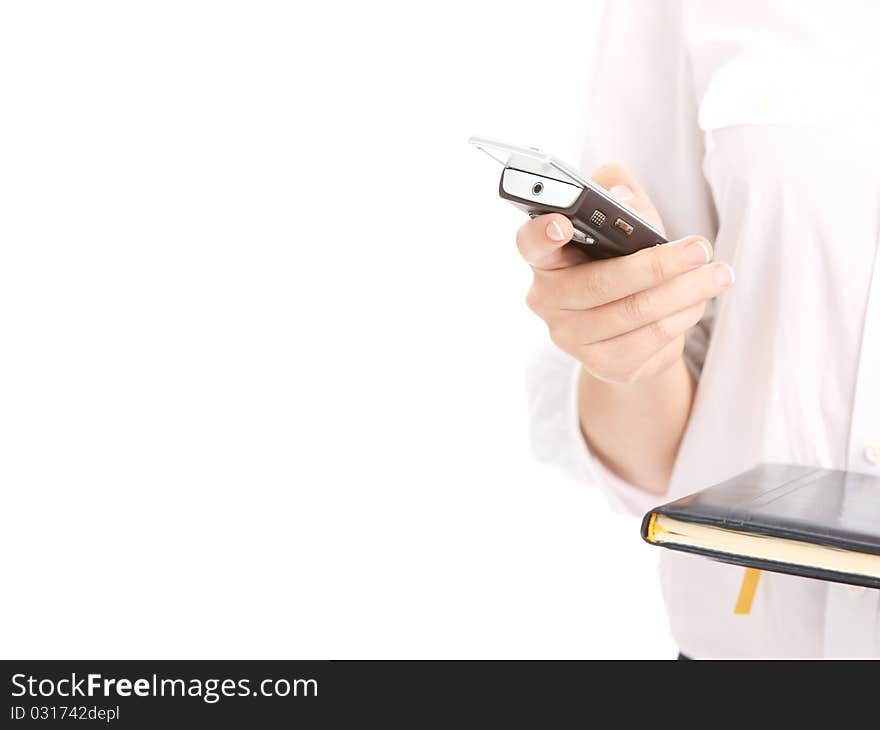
[[623, 318]]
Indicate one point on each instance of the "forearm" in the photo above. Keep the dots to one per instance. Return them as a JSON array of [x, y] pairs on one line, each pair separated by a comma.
[[635, 428]]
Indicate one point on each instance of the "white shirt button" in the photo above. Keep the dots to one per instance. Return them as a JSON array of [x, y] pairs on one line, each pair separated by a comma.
[[872, 452]]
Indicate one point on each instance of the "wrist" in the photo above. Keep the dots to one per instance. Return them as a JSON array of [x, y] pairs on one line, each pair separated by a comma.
[[635, 428], [674, 373]]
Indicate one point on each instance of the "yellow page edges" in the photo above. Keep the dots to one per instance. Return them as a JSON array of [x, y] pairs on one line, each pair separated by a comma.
[[749, 582]]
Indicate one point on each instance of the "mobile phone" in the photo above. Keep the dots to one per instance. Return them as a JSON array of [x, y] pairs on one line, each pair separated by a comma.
[[539, 183]]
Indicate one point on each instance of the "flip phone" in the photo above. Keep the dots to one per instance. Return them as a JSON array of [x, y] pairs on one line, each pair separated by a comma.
[[539, 183]]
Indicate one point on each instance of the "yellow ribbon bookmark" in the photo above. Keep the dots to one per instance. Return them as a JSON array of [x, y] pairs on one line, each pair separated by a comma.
[[747, 591]]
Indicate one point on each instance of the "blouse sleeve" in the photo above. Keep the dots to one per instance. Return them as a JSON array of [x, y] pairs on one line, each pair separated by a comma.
[[641, 111]]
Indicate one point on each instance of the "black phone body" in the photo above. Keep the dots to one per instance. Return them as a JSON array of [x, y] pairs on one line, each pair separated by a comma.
[[539, 183]]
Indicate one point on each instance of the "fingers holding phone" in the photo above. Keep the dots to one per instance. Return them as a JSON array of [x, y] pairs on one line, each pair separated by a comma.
[[623, 318], [612, 291]]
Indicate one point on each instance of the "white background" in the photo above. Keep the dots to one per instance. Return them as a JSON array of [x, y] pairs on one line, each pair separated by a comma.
[[262, 339]]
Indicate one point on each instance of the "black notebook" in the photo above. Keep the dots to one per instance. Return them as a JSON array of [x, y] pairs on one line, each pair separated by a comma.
[[817, 523]]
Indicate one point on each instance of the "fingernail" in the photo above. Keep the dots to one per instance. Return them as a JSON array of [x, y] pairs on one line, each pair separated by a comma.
[[622, 192], [697, 252], [724, 275], [554, 231]]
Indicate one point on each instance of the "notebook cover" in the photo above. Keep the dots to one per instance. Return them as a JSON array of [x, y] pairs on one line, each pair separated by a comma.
[[820, 506]]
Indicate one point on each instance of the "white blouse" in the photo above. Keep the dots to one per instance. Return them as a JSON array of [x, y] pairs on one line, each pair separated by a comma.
[[756, 124]]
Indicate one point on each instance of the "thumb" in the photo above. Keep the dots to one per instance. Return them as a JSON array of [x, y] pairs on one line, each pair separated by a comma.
[[618, 181]]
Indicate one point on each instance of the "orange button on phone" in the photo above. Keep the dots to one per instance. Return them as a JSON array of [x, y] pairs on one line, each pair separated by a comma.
[[623, 226]]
